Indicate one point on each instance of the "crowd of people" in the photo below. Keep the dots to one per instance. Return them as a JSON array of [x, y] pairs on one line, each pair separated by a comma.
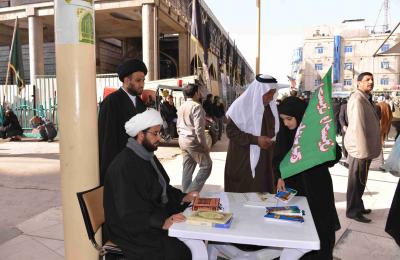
[[140, 204]]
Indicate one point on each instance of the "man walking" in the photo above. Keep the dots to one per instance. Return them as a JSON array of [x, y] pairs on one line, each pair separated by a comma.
[[362, 141], [192, 140], [118, 108]]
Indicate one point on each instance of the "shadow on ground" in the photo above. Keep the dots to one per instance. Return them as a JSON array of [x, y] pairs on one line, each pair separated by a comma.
[[51, 156]]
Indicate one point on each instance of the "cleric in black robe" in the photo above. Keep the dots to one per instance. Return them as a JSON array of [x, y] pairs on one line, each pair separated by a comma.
[[116, 109], [314, 183], [139, 203]]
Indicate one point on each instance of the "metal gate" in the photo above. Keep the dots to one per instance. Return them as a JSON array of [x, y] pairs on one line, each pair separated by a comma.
[[46, 98]]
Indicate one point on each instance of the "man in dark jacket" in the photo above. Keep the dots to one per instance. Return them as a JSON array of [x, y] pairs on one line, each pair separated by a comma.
[[117, 109], [168, 111], [139, 203]]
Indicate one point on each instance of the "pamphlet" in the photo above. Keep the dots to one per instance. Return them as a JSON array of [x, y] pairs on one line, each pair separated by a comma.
[[258, 199], [285, 210], [277, 217], [286, 196]]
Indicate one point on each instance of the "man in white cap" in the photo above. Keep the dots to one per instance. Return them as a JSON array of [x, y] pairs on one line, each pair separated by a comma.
[[252, 126], [139, 203]]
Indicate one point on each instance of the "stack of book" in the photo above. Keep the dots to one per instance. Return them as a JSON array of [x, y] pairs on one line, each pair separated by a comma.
[[210, 219], [285, 213]]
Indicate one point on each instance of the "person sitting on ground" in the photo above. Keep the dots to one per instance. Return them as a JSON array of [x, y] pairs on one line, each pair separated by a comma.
[[139, 203], [44, 127], [11, 127]]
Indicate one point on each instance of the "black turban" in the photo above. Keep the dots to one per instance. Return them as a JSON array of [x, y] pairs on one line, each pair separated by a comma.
[[130, 66]]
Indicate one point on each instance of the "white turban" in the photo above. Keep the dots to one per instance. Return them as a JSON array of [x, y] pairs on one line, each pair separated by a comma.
[[139, 122]]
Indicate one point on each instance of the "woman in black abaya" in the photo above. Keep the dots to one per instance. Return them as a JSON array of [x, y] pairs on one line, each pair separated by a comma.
[[314, 183]]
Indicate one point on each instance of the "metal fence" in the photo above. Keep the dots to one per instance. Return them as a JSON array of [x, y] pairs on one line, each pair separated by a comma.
[[46, 102]]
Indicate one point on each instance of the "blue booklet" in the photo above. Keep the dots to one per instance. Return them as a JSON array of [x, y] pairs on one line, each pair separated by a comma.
[[286, 196], [277, 217]]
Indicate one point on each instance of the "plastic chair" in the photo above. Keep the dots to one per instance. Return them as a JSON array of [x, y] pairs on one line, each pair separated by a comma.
[[91, 204]]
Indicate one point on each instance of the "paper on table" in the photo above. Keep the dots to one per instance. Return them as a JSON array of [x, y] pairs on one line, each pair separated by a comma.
[[258, 199]]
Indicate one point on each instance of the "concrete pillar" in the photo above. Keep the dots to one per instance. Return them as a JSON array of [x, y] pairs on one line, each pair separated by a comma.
[[150, 40], [36, 57], [76, 81], [184, 49]]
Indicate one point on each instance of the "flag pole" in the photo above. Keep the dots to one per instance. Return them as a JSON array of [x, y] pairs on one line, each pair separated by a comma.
[[258, 5]]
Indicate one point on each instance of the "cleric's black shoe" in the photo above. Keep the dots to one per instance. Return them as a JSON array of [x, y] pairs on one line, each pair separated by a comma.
[[361, 218], [366, 211]]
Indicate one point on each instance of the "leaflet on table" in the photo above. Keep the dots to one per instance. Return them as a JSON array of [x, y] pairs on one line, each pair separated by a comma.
[[258, 199], [286, 196], [285, 210], [283, 218]]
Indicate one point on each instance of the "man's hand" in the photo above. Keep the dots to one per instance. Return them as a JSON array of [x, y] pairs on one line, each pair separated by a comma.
[[173, 219], [190, 196], [344, 129], [264, 142]]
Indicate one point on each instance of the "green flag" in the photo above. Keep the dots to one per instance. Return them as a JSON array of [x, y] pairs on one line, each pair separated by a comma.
[[315, 137], [15, 60]]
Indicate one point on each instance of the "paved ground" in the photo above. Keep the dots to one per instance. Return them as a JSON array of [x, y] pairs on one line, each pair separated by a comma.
[[31, 217]]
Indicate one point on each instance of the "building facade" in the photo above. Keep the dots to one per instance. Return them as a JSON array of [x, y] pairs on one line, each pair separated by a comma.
[[156, 31], [349, 49]]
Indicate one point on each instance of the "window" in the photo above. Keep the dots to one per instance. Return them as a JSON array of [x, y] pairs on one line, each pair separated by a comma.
[[384, 65], [384, 81], [348, 48], [348, 82], [317, 82], [318, 66], [348, 66], [385, 47], [319, 50]]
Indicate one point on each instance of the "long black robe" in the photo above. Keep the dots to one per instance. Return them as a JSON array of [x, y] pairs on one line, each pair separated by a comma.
[[134, 214], [114, 112], [393, 223], [11, 126], [238, 176], [314, 183]]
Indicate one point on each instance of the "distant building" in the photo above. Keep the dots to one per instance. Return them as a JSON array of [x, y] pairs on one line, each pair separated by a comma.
[[157, 31], [349, 48]]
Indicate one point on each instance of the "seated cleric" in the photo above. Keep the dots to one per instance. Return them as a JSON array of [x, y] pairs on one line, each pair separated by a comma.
[[139, 203]]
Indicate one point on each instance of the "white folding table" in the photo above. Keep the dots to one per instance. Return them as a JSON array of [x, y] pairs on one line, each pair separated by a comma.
[[250, 227]]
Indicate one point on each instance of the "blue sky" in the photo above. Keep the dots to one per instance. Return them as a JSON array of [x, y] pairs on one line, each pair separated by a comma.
[[283, 23]]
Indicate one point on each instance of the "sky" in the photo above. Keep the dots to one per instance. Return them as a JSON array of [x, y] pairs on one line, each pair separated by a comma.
[[283, 23]]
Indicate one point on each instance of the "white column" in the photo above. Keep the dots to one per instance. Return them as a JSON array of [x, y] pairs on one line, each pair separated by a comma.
[[36, 57], [77, 106], [150, 40]]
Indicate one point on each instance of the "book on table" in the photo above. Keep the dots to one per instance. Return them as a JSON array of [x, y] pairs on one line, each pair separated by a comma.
[[283, 218], [210, 218], [284, 213], [212, 204], [286, 196], [284, 210]]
